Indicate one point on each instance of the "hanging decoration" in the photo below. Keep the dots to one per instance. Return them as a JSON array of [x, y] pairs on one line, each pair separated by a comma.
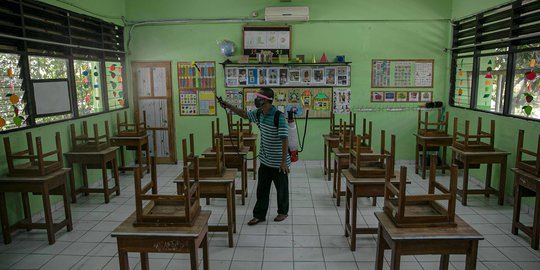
[[528, 108], [488, 75]]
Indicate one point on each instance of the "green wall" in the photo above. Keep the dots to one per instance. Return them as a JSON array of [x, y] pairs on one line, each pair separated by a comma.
[[361, 30], [47, 133]]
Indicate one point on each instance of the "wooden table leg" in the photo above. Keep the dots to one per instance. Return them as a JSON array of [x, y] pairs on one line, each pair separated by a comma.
[[416, 158], [116, 177], [325, 170], [347, 208], [26, 209], [443, 159], [424, 159], [205, 252], [230, 197], [338, 183], [193, 256], [334, 184], [502, 181], [353, 219], [465, 183], [470, 261], [123, 258], [147, 158], [396, 257], [380, 249], [328, 158], [233, 206], [122, 160], [489, 170], [536, 222], [84, 170], [67, 208], [105, 180], [48, 214], [329, 177], [243, 179], [445, 260], [4, 219], [72, 183], [145, 265]]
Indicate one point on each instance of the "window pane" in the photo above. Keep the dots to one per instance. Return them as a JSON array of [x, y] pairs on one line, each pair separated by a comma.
[[42, 68], [463, 82], [12, 104], [525, 94], [115, 91], [491, 83], [88, 86]]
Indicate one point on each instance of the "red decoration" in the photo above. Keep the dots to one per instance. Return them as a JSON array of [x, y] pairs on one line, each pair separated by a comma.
[[323, 58], [530, 75]]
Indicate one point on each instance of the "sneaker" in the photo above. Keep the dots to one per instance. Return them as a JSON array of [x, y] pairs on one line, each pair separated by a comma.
[[280, 217], [254, 221]]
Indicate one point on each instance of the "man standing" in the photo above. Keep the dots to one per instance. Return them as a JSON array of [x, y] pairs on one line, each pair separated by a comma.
[[273, 154]]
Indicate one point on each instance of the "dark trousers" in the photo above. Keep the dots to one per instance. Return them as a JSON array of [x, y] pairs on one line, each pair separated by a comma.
[[281, 182]]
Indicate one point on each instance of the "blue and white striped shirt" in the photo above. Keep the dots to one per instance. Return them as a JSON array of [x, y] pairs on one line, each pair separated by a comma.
[[271, 147]]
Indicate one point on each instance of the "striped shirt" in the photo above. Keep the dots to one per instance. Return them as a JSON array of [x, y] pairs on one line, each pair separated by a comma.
[[271, 147]]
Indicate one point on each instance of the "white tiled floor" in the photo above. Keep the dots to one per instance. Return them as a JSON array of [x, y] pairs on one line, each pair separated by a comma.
[[311, 238]]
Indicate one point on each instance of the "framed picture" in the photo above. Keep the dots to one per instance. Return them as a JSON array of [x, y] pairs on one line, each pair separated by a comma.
[[389, 96], [305, 76], [283, 76], [294, 76], [318, 75], [275, 38], [401, 96], [425, 96], [330, 75], [377, 96], [242, 76], [343, 76], [231, 75], [272, 77], [414, 96], [252, 78], [262, 76]]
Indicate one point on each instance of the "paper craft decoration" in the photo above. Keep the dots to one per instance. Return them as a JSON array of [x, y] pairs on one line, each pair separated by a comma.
[[402, 73], [323, 58], [317, 100]]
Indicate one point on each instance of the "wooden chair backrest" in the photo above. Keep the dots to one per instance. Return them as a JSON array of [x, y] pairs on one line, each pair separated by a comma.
[[126, 129], [473, 142], [84, 142], [218, 161], [34, 163], [527, 164], [334, 126], [346, 136], [372, 162], [245, 127], [366, 133]]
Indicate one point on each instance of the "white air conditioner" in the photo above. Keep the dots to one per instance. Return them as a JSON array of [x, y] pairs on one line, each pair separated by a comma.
[[279, 14]]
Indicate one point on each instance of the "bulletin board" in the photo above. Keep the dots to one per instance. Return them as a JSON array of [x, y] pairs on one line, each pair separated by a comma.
[[317, 99], [270, 38], [197, 88], [400, 73]]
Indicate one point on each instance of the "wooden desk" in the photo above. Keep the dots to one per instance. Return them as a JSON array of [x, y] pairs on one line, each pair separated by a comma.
[[341, 161], [236, 160], [360, 187], [526, 185], [477, 158], [462, 239], [181, 239], [50, 184], [133, 143], [96, 160], [423, 143], [330, 142], [251, 142], [224, 187]]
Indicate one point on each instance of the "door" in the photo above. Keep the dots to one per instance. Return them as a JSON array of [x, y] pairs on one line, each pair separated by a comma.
[[153, 94]]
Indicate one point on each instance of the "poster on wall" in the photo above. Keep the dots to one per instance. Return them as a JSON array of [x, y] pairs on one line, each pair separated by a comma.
[[188, 102], [207, 103], [276, 39], [342, 100], [402, 73], [234, 97], [231, 76]]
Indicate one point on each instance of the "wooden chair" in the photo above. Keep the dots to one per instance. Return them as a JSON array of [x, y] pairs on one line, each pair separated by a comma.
[[245, 128], [37, 164], [346, 136], [372, 165], [334, 127], [473, 142], [421, 210], [167, 210], [529, 165], [366, 134], [231, 142], [85, 143], [425, 127], [208, 166], [125, 129]]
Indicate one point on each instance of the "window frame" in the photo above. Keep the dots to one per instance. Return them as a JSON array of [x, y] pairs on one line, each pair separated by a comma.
[[18, 41], [469, 39]]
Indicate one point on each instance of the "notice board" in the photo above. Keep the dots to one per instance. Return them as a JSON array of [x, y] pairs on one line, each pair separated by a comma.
[[400, 73]]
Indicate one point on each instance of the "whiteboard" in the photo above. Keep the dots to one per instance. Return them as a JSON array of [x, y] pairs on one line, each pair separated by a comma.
[[52, 97]]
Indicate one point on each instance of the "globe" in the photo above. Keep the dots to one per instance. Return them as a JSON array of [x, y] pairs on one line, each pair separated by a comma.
[[226, 47]]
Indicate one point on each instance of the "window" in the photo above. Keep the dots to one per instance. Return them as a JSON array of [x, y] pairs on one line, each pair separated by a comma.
[[496, 59], [48, 68], [526, 92], [115, 89], [12, 95], [491, 83], [88, 86]]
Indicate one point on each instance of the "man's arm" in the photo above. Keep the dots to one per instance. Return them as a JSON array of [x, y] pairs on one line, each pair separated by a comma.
[[284, 152], [235, 110]]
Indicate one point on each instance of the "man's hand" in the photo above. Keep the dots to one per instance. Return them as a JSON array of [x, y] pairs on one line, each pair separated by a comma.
[[284, 168]]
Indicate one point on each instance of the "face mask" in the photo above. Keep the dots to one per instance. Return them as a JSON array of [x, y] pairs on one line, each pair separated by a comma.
[[258, 103]]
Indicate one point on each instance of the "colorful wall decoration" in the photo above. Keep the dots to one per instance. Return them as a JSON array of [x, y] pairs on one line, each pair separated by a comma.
[[197, 87]]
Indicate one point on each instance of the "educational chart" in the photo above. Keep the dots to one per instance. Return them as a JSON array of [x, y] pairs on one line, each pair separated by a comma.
[[402, 73], [276, 39], [235, 97], [304, 75], [197, 87], [317, 100]]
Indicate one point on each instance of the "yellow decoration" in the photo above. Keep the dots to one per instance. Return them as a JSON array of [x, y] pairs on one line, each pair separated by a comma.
[[460, 72], [532, 63], [2, 122], [10, 72], [14, 99]]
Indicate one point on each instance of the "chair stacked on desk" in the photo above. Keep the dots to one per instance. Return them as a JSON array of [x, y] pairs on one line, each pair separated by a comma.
[[480, 141], [527, 184], [126, 129], [431, 136], [372, 165], [133, 136], [36, 162]]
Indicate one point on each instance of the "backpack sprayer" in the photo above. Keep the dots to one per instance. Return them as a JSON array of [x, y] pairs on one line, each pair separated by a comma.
[[294, 134]]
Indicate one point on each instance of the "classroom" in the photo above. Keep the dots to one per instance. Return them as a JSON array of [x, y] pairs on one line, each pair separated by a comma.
[[270, 134]]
